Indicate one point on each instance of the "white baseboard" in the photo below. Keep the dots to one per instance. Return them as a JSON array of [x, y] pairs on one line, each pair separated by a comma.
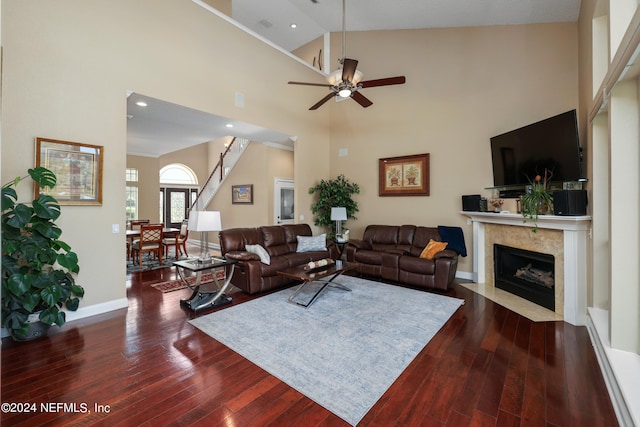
[[91, 310], [620, 369], [95, 309], [464, 275]]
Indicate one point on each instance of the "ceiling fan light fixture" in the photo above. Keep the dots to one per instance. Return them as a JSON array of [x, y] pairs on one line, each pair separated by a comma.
[[344, 93], [335, 78]]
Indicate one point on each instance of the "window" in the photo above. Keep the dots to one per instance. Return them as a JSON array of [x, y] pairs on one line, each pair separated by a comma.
[[178, 174], [132, 175], [131, 204]]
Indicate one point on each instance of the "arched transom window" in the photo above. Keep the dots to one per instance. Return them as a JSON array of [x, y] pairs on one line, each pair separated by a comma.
[[177, 173]]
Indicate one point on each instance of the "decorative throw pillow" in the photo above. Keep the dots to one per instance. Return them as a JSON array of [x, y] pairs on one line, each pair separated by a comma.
[[260, 251], [432, 249], [312, 243]]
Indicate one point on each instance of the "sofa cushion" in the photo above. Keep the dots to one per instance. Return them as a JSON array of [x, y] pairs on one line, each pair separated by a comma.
[[312, 243], [432, 249], [275, 240], [261, 252], [417, 265], [421, 239], [369, 257]]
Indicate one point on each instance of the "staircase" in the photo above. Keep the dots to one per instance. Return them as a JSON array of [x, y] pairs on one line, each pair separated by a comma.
[[227, 161]]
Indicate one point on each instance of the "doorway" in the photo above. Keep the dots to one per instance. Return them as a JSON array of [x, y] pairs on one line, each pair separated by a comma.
[[283, 201]]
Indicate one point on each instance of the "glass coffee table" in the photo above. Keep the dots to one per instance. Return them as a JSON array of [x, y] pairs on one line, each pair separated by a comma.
[[315, 281], [205, 295]]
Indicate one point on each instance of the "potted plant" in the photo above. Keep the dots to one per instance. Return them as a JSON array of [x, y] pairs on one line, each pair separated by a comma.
[[37, 268], [333, 193], [537, 199]]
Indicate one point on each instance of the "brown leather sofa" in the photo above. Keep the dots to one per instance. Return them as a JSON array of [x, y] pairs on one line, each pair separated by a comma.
[[280, 243], [393, 253]]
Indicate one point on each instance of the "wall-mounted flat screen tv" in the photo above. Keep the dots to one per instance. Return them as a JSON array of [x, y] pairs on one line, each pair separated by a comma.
[[552, 144]]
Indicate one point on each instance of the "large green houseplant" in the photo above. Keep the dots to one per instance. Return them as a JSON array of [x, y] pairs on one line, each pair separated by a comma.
[[537, 199], [37, 268], [333, 193]]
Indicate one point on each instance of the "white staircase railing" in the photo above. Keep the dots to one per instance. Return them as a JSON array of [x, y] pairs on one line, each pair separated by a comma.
[[227, 161]]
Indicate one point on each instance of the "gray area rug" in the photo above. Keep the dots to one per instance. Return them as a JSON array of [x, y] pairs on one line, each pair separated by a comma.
[[345, 350]]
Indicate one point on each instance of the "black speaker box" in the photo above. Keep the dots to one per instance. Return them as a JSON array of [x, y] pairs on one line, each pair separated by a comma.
[[570, 202], [471, 203]]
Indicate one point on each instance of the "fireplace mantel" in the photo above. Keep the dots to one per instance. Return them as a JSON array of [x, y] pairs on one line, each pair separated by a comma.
[[575, 234]]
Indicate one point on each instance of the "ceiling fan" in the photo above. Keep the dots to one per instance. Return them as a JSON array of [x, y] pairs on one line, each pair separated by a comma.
[[346, 82]]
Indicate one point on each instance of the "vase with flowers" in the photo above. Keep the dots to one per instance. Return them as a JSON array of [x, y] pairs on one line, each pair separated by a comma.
[[537, 199]]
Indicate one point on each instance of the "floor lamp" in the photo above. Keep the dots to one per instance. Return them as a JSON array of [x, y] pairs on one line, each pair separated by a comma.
[[204, 222]]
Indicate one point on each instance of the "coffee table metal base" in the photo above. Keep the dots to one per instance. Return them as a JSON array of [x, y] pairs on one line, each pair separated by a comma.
[[314, 289]]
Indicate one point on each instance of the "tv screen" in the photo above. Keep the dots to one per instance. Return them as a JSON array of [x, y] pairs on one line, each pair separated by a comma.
[[552, 144]]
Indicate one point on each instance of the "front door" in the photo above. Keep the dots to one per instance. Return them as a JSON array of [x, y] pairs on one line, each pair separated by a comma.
[[176, 206], [283, 201]]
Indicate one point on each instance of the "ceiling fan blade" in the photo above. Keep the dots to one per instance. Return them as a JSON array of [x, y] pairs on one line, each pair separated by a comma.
[[399, 80], [361, 99], [310, 84], [348, 69], [322, 101]]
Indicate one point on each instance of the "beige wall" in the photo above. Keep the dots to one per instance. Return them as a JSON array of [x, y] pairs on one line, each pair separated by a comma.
[[68, 80], [259, 165], [464, 85], [313, 53], [67, 66]]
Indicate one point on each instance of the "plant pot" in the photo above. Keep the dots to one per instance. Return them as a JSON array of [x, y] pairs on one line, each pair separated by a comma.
[[37, 329]]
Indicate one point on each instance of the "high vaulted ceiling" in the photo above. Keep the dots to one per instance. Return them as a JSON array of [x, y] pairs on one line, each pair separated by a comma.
[[272, 19], [162, 127]]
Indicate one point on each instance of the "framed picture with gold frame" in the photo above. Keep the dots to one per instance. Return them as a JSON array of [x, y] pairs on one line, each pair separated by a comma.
[[404, 176], [78, 170]]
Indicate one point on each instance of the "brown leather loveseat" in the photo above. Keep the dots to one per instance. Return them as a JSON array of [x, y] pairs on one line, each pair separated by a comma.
[[257, 272], [393, 253]]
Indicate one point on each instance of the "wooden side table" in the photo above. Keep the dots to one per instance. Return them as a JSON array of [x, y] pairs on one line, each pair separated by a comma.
[[210, 294]]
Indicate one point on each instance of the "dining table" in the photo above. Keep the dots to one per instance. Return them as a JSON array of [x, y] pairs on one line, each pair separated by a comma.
[[166, 232]]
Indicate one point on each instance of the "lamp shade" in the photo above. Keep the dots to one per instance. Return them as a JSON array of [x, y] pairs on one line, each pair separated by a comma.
[[204, 221], [338, 214]]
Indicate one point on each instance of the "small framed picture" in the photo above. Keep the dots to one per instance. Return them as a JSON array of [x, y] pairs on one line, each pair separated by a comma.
[[78, 170], [242, 194]]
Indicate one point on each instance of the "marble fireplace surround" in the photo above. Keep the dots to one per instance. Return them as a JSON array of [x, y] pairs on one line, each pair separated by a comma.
[[564, 237]]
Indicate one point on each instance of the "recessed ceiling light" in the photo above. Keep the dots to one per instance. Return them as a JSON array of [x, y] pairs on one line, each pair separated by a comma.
[[229, 125], [141, 104], [294, 25]]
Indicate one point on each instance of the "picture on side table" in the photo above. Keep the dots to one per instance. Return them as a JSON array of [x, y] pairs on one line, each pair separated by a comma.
[[404, 176]]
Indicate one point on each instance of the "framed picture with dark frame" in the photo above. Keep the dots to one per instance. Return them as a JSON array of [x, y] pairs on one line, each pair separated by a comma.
[[78, 170], [404, 176], [242, 194]]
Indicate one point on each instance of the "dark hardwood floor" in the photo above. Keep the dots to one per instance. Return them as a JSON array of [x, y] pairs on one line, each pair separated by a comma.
[[146, 366]]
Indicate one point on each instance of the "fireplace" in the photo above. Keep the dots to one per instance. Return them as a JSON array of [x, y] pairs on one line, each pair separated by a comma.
[[530, 275]]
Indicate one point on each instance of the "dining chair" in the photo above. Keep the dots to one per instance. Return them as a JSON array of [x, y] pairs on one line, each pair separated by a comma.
[[134, 224], [151, 238], [179, 241]]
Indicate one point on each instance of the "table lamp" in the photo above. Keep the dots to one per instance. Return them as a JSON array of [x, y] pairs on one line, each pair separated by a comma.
[[338, 215], [204, 221]]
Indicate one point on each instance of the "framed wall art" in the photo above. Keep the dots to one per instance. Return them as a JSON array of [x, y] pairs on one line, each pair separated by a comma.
[[404, 176], [242, 194], [78, 170]]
